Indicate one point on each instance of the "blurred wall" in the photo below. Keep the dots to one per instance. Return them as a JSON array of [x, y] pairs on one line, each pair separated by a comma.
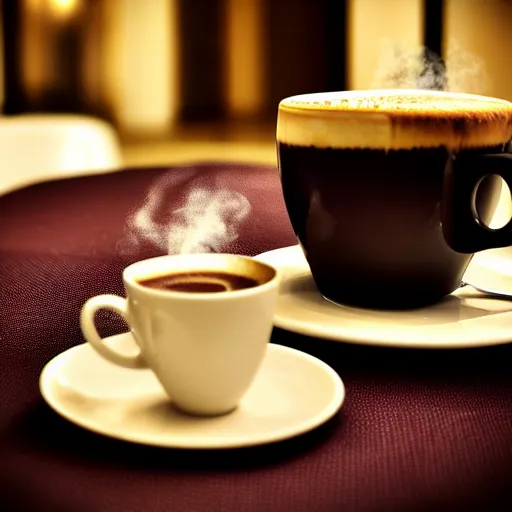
[[479, 35], [141, 64], [245, 45], [150, 64], [2, 88], [374, 27]]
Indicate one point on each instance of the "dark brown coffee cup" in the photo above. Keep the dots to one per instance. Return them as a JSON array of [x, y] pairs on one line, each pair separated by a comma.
[[391, 192]]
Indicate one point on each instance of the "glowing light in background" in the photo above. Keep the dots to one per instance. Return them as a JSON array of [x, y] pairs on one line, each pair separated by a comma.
[[141, 64], [64, 8]]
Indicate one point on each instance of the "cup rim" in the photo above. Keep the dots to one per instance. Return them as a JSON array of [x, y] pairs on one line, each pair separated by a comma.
[[131, 282], [288, 103]]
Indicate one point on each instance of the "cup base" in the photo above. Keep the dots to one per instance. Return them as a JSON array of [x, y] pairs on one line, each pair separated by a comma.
[[383, 302], [204, 413]]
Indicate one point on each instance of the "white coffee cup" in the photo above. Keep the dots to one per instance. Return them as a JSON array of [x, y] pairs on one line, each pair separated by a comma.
[[204, 348]]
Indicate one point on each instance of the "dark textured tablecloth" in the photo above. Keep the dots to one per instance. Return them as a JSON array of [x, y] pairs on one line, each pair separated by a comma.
[[420, 430]]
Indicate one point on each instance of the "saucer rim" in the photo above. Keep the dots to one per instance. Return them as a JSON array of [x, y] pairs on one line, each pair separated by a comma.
[[334, 405], [317, 330]]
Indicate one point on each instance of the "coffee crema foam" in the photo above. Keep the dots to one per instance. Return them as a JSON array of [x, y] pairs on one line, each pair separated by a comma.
[[394, 119]]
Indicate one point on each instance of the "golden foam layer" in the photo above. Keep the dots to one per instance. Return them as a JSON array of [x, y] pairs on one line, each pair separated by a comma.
[[394, 119]]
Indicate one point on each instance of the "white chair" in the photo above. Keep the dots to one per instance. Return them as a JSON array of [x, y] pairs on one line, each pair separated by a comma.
[[38, 147]]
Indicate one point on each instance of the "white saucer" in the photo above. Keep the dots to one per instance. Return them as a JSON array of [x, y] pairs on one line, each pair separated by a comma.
[[464, 319], [292, 394]]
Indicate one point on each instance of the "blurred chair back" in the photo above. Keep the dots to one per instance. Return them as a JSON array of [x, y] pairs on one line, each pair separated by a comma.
[[35, 148]]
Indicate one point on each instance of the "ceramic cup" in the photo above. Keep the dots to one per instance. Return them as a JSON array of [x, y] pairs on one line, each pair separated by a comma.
[[391, 192], [205, 347]]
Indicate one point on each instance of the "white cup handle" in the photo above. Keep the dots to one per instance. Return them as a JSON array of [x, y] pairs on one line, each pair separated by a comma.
[[118, 305]]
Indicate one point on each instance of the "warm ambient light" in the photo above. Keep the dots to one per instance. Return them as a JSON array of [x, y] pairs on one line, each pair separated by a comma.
[[64, 8]]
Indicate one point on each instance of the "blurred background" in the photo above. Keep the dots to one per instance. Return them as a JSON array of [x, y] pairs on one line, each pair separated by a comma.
[[201, 79]]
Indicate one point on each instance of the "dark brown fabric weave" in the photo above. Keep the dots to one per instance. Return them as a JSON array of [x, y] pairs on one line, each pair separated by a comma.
[[420, 430]]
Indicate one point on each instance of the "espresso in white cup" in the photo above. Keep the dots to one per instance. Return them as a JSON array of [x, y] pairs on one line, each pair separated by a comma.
[[202, 323]]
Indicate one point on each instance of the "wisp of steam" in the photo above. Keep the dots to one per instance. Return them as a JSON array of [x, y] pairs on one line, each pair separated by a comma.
[[206, 220], [405, 66]]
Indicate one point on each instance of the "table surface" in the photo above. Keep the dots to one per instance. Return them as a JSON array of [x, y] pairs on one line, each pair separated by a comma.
[[419, 430]]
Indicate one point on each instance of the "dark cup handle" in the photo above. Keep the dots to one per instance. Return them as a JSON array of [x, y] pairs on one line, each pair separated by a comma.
[[463, 230]]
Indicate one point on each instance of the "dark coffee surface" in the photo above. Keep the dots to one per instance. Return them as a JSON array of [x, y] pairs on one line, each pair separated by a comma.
[[199, 282], [419, 430], [370, 222]]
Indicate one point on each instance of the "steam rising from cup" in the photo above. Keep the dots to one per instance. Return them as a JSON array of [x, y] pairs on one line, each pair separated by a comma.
[[406, 66], [208, 218]]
